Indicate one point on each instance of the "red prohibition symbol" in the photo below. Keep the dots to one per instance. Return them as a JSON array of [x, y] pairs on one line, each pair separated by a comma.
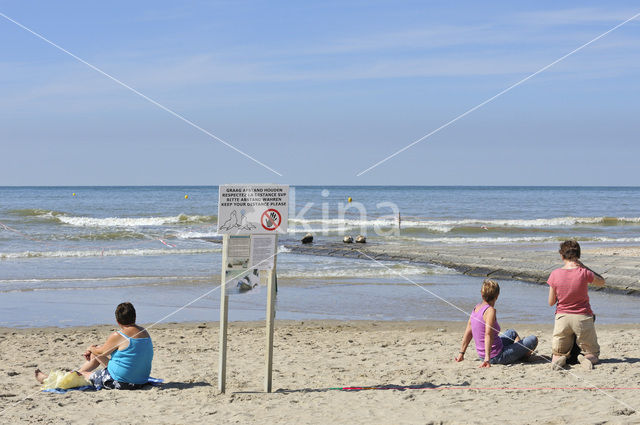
[[270, 219]]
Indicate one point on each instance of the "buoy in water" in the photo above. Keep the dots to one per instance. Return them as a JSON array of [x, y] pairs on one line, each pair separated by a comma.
[[349, 199], [186, 196]]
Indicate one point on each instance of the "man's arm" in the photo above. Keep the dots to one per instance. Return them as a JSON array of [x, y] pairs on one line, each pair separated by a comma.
[[110, 345], [553, 298]]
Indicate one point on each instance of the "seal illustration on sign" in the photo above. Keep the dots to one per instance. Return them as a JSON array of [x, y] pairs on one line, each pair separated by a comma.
[[233, 222]]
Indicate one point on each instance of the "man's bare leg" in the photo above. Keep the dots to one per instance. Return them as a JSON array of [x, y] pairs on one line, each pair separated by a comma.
[[89, 366], [95, 361], [92, 364]]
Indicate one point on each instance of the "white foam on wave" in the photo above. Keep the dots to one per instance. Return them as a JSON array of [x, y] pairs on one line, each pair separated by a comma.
[[196, 235], [336, 225], [338, 221], [445, 226], [94, 279], [132, 221], [364, 272], [309, 229], [524, 239], [103, 253], [629, 219], [345, 224], [283, 249], [617, 240]]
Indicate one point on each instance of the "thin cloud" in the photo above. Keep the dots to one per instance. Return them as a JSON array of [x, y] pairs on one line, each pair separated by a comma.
[[575, 16], [512, 45]]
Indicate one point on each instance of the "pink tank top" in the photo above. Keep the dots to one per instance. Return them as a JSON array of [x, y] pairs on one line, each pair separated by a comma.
[[477, 330], [571, 286]]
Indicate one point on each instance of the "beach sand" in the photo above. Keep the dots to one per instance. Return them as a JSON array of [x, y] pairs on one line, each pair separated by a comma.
[[621, 251], [310, 359]]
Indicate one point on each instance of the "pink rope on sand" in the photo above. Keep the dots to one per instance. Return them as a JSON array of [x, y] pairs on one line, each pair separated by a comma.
[[485, 388]]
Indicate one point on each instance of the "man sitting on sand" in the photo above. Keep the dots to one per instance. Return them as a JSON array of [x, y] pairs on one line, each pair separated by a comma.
[[568, 287], [131, 352]]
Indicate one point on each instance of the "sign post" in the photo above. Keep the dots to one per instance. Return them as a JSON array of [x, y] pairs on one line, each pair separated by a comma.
[[250, 217], [224, 316], [271, 317]]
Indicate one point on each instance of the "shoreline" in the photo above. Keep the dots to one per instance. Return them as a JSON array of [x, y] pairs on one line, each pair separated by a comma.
[[383, 325], [311, 324]]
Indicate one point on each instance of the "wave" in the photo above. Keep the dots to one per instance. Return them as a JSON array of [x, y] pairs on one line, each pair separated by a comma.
[[97, 279], [364, 272], [84, 221], [319, 230], [103, 253], [34, 212], [37, 215], [107, 236], [446, 226], [196, 235], [524, 239], [134, 221]]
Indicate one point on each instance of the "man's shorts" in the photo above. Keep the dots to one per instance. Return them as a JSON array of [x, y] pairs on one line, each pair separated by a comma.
[[580, 325], [102, 379]]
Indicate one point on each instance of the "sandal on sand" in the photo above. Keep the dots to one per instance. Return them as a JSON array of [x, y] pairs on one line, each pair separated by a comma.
[[559, 364], [585, 362]]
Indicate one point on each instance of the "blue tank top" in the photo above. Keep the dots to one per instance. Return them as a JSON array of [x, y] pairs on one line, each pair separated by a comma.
[[133, 364]]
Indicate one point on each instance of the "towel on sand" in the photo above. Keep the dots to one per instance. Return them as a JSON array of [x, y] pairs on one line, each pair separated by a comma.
[[151, 381]]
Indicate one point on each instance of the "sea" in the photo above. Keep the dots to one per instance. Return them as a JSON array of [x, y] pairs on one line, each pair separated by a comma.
[[69, 255]]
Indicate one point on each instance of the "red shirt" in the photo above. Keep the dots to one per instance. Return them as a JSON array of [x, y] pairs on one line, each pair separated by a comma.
[[571, 289]]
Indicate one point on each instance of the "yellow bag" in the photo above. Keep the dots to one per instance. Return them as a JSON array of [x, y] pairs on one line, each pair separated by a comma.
[[64, 380]]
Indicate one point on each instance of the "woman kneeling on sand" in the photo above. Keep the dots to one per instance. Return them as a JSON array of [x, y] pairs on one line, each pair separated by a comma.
[[483, 327], [568, 287], [131, 353]]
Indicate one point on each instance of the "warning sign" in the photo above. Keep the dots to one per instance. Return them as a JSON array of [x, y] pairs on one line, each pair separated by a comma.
[[271, 219], [253, 209]]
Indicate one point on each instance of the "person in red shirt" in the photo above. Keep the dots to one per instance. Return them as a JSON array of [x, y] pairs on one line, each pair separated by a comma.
[[568, 287]]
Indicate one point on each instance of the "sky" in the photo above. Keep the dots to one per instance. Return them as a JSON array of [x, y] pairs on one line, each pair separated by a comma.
[[318, 92]]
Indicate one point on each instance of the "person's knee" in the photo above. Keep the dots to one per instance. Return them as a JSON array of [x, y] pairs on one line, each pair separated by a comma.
[[511, 334], [561, 348]]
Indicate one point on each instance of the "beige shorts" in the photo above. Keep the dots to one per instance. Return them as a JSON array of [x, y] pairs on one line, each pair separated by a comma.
[[568, 325]]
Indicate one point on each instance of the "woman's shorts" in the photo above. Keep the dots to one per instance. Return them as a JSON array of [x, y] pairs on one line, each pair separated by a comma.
[[580, 325], [102, 379]]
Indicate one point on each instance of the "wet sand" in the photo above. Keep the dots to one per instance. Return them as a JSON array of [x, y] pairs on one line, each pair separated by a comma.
[[620, 266]]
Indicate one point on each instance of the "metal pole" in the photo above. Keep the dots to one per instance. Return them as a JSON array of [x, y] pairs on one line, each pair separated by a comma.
[[224, 315], [271, 316]]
